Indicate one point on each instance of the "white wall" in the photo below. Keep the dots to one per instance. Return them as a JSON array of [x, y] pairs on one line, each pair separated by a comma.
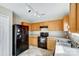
[[18, 20], [8, 13]]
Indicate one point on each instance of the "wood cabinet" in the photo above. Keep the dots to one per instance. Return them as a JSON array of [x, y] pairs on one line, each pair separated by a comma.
[[60, 25], [51, 43], [72, 17], [33, 41], [51, 26], [43, 23], [35, 27], [66, 23], [77, 17], [30, 40], [55, 25]]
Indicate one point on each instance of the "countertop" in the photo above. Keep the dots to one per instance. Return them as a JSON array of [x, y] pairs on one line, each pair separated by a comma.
[[62, 50], [37, 36]]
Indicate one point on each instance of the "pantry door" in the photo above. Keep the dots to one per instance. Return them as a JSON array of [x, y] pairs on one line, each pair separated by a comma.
[[4, 35]]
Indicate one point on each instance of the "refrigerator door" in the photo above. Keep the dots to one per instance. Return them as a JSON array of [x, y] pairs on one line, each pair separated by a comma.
[[20, 39]]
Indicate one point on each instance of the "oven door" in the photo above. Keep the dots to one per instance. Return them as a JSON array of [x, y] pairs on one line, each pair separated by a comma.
[[42, 42]]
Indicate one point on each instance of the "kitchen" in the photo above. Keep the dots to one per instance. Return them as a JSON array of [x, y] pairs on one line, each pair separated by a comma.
[[38, 28]]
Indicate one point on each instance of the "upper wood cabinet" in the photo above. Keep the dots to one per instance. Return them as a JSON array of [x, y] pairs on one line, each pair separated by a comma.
[[66, 23], [72, 17], [43, 23], [55, 25], [35, 27], [60, 25], [78, 17]]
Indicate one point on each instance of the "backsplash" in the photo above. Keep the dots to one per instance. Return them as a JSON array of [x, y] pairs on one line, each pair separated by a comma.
[[74, 36], [51, 33]]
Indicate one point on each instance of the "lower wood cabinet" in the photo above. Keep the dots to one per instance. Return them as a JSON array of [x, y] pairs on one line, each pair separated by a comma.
[[51, 43], [33, 41]]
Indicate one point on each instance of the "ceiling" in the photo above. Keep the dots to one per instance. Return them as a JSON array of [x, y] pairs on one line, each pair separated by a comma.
[[38, 11]]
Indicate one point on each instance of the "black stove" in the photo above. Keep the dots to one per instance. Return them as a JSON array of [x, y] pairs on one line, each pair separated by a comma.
[[42, 40]]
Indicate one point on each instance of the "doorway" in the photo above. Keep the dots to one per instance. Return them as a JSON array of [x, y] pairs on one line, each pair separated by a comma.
[[4, 35]]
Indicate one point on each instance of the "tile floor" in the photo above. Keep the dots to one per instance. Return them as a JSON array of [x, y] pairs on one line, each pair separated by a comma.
[[35, 51]]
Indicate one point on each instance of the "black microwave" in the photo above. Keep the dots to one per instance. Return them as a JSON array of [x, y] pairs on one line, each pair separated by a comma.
[[44, 34]]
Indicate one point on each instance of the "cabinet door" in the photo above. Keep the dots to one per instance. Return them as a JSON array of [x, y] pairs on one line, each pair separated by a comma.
[[51, 26], [60, 25], [35, 27], [51, 43], [30, 40], [78, 17], [65, 23], [33, 41], [72, 18], [55, 25]]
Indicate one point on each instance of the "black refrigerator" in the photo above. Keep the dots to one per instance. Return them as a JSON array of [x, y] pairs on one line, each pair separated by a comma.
[[20, 39]]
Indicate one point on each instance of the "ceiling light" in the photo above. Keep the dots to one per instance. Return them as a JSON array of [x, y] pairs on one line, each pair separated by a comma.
[[29, 10], [33, 11]]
